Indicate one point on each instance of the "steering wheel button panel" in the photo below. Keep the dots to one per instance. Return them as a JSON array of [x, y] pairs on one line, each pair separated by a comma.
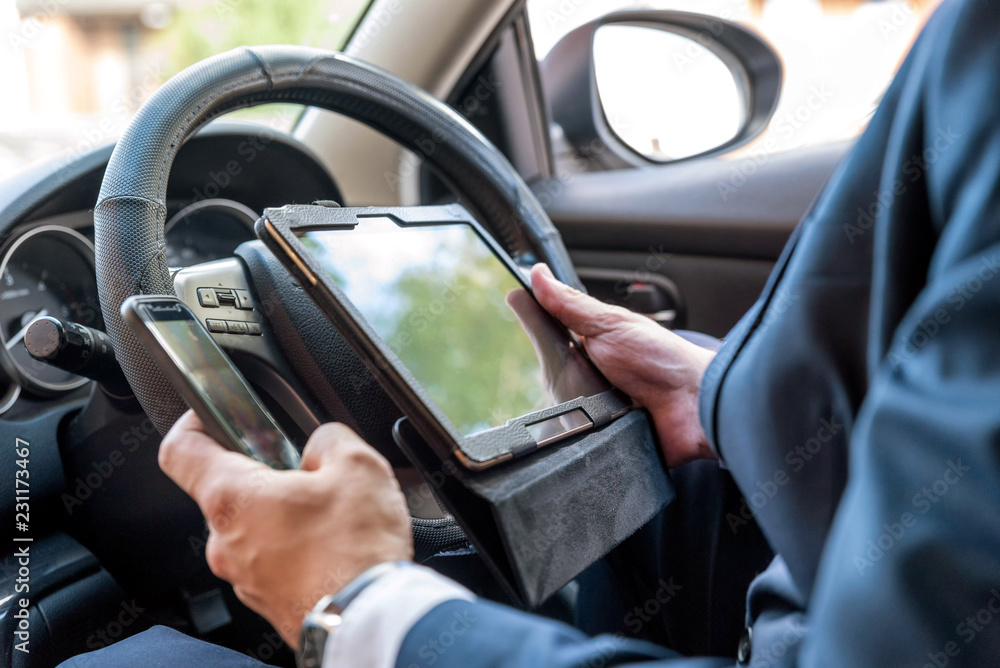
[[226, 297], [243, 300], [217, 326], [237, 327], [207, 298]]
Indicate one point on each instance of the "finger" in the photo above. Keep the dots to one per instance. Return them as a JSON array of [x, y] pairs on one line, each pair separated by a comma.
[[251, 600], [196, 462], [326, 443], [581, 313], [215, 556]]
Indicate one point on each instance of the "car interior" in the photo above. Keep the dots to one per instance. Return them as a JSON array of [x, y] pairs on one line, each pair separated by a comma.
[[686, 235]]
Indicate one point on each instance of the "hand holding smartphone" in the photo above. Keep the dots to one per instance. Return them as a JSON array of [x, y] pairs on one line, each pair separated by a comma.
[[202, 373]]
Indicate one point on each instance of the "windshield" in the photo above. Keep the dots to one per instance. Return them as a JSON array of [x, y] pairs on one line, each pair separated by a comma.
[[76, 71]]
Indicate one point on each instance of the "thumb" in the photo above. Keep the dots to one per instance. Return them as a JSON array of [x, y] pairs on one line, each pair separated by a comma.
[[579, 312], [328, 444]]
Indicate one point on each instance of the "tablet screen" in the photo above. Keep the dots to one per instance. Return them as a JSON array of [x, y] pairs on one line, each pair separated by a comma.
[[457, 318]]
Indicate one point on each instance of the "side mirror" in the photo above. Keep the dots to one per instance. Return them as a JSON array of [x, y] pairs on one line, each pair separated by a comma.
[[655, 87]]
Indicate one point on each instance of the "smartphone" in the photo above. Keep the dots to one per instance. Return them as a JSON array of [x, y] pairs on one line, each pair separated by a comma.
[[202, 373]]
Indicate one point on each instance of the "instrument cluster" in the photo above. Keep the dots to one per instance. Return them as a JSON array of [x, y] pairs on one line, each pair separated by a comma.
[[49, 269]]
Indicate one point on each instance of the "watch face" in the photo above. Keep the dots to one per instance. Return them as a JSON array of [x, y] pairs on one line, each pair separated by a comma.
[[312, 643], [324, 618], [316, 628]]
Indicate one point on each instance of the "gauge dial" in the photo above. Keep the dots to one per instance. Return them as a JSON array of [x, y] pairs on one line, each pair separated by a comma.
[[47, 271], [9, 391], [207, 230]]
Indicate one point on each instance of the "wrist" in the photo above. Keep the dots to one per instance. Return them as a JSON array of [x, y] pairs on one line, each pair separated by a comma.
[[322, 622], [676, 415], [679, 430], [353, 589]]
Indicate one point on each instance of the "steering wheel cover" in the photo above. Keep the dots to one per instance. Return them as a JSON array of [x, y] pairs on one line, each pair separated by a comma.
[[131, 209]]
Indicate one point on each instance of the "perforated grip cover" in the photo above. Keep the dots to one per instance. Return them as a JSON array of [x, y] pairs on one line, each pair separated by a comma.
[[131, 210]]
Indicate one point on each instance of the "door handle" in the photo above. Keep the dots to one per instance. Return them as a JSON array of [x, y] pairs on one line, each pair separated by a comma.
[[656, 296]]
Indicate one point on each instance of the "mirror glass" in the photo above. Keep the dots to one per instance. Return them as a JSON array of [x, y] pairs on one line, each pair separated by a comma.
[[665, 95]]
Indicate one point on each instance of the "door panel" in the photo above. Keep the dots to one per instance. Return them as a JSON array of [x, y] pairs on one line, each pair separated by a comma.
[[713, 228], [715, 291]]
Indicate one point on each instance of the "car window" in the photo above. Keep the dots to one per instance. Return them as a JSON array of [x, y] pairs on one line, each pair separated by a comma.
[[839, 57], [75, 71]]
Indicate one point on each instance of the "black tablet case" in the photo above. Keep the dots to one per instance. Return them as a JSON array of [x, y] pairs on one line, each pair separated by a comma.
[[538, 522]]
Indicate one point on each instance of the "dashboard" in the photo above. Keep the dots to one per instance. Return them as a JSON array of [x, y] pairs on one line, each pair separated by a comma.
[[221, 182]]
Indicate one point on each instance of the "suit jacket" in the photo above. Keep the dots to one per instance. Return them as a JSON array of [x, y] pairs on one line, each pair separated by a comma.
[[857, 405]]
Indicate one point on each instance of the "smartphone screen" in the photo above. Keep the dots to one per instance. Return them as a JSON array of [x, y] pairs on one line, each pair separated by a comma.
[[458, 318], [218, 384]]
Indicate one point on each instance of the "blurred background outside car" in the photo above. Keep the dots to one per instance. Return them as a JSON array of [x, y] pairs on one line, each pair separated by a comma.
[[75, 71]]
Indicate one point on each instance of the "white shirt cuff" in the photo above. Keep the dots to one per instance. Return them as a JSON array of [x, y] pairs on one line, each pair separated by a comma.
[[375, 623]]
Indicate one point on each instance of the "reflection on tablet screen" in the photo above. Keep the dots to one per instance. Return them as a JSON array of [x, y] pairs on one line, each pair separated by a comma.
[[457, 318]]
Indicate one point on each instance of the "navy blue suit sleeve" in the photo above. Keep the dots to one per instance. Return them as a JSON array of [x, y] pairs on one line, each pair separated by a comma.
[[904, 404], [911, 572], [463, 634]]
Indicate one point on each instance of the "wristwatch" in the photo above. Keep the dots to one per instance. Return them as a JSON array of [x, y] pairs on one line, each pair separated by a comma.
[[323, 620]]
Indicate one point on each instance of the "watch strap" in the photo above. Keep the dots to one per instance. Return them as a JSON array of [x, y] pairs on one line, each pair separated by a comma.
[[324, 618], [352, 589]]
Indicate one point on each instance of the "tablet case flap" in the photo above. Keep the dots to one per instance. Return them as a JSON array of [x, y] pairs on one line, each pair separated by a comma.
[[540, 521]]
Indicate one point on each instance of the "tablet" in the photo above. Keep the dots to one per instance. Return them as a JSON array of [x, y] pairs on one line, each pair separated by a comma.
[[446, 323]]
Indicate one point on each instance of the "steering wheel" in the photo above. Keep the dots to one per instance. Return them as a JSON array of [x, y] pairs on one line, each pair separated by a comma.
[[131, 210]]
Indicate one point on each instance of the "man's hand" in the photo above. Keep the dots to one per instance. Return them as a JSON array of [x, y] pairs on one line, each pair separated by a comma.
[[658, 369], [285, 539]]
